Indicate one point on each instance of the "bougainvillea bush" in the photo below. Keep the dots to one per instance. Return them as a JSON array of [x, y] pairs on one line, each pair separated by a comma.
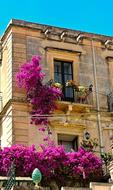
[[53, 162], [40, 95]]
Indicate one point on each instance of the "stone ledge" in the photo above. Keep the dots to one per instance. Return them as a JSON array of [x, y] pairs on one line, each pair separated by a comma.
[[4, 178], [100, 186], [22, 183], [74, 188], [30, 188]]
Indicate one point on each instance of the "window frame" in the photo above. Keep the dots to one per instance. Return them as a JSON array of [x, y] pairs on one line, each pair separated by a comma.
[[67, 139], [62, 62]]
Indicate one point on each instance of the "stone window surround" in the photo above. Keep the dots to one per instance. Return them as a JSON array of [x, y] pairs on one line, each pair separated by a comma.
[[63, 55]]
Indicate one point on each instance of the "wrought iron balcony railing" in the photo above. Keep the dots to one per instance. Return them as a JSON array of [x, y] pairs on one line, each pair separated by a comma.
[[74, 93], [83, 98]]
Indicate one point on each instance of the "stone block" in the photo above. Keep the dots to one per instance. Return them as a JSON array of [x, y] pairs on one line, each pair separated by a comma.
[[74, 188]]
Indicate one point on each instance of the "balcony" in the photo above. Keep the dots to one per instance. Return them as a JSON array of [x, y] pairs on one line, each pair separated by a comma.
[[81, 97], [79, 103], [78, 96]]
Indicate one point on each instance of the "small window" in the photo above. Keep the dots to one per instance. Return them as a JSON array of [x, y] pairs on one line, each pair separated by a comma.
[[63, 71], [110, 102], [70, 142]]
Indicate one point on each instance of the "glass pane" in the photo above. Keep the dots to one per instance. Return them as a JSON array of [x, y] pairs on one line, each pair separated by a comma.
[[68, 145], [57, 67], [58, 77], [68, 92], [67, 68], [67, 77]]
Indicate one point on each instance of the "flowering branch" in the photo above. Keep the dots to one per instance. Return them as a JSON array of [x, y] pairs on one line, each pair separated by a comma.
[[41, 96]]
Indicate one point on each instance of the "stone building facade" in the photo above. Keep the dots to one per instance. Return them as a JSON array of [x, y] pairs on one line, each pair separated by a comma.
[[88, 59]]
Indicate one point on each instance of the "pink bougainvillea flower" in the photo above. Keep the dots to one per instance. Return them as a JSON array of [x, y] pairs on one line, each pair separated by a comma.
[[42, 97], [53, 162]]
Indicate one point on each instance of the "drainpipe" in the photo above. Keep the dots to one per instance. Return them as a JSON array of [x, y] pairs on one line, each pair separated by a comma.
[[97, 99]]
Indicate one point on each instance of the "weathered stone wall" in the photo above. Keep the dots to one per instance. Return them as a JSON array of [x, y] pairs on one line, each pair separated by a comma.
[[21, 122], [31, 42], [6, 70], [25, 39], [6, 129]]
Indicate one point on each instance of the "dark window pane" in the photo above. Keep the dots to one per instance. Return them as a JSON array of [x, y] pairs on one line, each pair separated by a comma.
[[67, 68], [67, 77], [68, 145], [70, 142], [58, 77], [57, 67]]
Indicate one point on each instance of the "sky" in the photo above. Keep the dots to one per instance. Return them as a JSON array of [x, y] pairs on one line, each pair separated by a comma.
[[95, 16]]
